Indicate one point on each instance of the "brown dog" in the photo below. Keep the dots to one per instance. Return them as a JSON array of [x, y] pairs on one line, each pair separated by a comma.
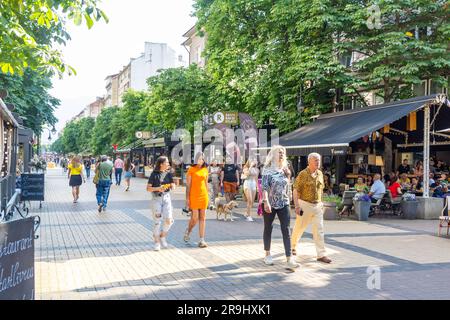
[[225, 209]]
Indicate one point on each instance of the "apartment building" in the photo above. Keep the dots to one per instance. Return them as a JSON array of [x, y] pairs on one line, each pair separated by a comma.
[[156, 57], [195, 45], [112, 90]]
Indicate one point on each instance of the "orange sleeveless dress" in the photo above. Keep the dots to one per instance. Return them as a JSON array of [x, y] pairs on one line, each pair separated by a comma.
[[198, 196]]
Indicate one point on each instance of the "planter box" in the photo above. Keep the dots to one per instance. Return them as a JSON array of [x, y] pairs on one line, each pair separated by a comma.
[[330, 211], [429, 208], [362, 209], [409, 209]]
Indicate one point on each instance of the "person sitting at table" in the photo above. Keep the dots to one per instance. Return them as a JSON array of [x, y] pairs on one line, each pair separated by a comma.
[[404, 167], [440, 167], [418, 170], [396, 189], [416, 186], [378, 189], [432, 181], [404, 181], [369, 181], [443, 179], [360, 186]]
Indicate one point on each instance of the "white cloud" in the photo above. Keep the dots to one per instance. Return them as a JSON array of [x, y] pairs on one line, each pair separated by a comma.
[[106, 48]]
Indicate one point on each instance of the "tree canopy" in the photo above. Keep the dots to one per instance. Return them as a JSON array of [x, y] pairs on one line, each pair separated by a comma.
[[268, 56], [29, 94], [30, 28]]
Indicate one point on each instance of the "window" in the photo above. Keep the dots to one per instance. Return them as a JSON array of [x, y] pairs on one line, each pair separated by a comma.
[[435, 87], [420, 89], [346, 60]]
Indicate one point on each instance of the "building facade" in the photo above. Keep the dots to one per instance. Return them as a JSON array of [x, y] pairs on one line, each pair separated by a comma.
[[112, 90], [195, 45], [156, 57]]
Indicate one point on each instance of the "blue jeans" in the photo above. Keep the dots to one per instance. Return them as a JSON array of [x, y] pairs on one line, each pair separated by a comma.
[[103, 187], [118, 174], [88, 172]]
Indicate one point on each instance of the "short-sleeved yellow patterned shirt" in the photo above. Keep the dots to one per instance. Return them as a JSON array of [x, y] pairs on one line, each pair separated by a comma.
[[308, 188]]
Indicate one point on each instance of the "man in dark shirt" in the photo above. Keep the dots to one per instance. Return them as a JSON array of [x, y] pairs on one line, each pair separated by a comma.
[[404, 168], [229, 178]]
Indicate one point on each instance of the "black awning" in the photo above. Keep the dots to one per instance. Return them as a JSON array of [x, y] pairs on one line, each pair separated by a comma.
[[331, 133]]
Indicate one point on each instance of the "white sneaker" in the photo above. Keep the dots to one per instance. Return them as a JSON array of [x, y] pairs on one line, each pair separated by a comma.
[[164, 243], [291, 264], [268, 260], [157, 247], [249, 219]]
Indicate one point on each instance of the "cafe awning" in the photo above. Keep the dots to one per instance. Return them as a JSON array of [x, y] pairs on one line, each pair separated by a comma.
[[331, 133]]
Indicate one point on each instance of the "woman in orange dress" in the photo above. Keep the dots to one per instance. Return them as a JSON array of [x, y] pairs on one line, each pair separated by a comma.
[[197, 197]]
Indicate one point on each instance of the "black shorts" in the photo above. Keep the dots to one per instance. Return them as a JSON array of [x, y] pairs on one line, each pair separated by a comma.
[[75, 181]]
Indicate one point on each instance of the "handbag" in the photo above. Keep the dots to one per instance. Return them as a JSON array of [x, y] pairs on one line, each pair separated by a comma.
[[96, 176]]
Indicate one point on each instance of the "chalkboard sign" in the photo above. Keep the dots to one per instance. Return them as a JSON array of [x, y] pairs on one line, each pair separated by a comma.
[[17, 260], [32, 185]]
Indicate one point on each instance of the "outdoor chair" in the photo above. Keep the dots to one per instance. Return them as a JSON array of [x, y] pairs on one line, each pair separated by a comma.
[[347, 201], [375, 208], [391, 204], [444, 220]]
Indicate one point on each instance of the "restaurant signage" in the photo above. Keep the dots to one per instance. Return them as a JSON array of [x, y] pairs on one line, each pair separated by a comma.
[[17, 260]]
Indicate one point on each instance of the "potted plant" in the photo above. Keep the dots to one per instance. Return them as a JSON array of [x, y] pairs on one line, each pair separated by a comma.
[[330, 207], [409, 206], [362, 206]]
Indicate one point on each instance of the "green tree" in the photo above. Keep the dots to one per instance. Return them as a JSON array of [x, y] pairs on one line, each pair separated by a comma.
[[86, 128], [178, 97], [101, 142], [30, 28], [130, 118], [71, 138], [58, 146], [29, 94], [264, 55]]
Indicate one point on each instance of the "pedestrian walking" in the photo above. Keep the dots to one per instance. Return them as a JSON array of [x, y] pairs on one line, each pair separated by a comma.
[[250, 174], [214, 171], [118, 169], [197, 197], [275, 182], [128, 167], [105, 169], [76, 177], [230, 179], [64, 163], [308, 191], [87, 167], [159, 184]]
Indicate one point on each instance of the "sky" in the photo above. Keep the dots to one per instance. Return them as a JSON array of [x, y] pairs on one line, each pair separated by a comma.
[[107, 47]]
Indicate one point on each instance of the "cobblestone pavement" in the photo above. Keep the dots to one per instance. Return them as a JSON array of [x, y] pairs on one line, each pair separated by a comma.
[[81, 254]]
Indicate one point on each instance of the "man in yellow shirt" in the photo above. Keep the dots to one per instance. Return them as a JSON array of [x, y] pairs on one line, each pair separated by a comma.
[[308, 191]]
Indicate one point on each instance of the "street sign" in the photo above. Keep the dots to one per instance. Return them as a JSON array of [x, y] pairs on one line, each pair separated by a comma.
[[143, 134], [227, 117]]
